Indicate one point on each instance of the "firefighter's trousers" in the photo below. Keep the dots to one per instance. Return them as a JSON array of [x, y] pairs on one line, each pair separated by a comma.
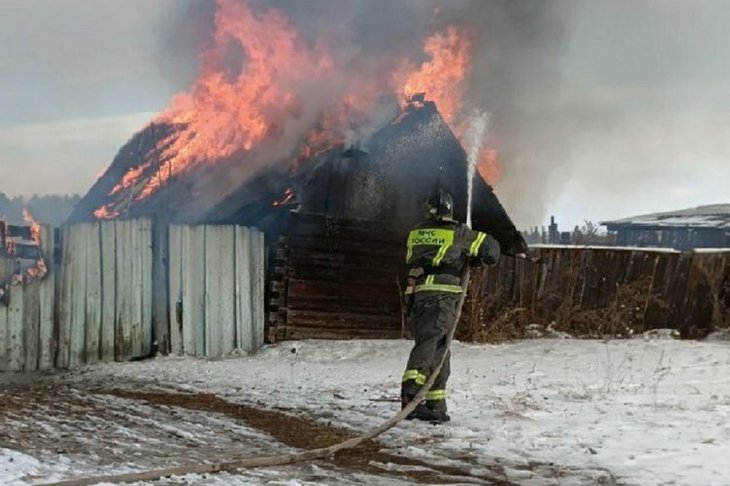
[[433, 316]]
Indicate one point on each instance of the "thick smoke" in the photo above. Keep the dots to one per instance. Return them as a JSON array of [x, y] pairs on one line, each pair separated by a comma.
[[516, 49]]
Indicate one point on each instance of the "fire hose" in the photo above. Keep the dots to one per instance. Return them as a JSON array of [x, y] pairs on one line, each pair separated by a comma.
[[285, 459]]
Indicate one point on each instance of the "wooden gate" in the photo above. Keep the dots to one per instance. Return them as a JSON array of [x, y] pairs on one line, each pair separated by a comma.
[[216, 290]]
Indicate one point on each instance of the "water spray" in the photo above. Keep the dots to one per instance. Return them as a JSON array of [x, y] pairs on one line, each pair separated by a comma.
[[478, 122]]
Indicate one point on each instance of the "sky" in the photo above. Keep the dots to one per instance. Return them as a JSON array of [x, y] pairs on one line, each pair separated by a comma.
[[637, 120]]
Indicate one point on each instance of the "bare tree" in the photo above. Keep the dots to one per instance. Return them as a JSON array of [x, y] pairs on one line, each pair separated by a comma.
[[590, 233]]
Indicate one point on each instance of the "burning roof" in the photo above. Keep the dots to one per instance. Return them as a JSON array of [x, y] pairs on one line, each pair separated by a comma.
[[389, 180], [268, 122]]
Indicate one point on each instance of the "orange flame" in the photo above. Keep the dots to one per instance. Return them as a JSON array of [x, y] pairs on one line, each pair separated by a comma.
[[289, 196], [443, 77], [227, 112], [35, 227], [105, 212], [39, 270]]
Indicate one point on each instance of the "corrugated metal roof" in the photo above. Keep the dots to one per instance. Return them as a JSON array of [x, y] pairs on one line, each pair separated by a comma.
[[711, 216]]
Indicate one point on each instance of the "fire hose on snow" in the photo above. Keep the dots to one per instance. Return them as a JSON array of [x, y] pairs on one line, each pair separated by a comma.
[[284, 459]]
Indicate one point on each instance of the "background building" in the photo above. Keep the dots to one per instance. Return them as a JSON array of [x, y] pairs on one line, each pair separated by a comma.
[[700, 227]]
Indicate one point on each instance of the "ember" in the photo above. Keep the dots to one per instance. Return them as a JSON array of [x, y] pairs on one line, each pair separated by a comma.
[[289, 196]]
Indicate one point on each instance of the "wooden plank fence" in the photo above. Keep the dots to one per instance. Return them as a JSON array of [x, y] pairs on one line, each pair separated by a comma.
[[216, 289], [107, 297], [601, 292]]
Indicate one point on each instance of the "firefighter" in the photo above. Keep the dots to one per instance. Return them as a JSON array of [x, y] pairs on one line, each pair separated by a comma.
[[439, 248]]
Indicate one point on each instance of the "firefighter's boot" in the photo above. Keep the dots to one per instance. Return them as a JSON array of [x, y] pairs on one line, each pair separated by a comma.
[[429, 414], [434, 408]]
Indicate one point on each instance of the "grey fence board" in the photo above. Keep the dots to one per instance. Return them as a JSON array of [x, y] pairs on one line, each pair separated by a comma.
[[31, 325], [64, 312], [144, 241], [140, 329], [15, 328], [219, 290], [4, 342], [108, 293], [243, 293], [161, 316], [124, 314], [77, 299], [193, 301], [47, 303], [175, 290], [258, 273], [135, 292], [93, 284]]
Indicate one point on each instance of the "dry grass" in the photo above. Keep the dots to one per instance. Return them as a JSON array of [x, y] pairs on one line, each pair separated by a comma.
[[620, 311]]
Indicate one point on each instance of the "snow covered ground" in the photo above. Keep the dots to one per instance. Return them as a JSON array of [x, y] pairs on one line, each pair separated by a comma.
[[547, 411]]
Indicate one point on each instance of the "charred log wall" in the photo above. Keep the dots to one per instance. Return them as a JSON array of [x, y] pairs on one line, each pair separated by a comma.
[[335, 278]]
